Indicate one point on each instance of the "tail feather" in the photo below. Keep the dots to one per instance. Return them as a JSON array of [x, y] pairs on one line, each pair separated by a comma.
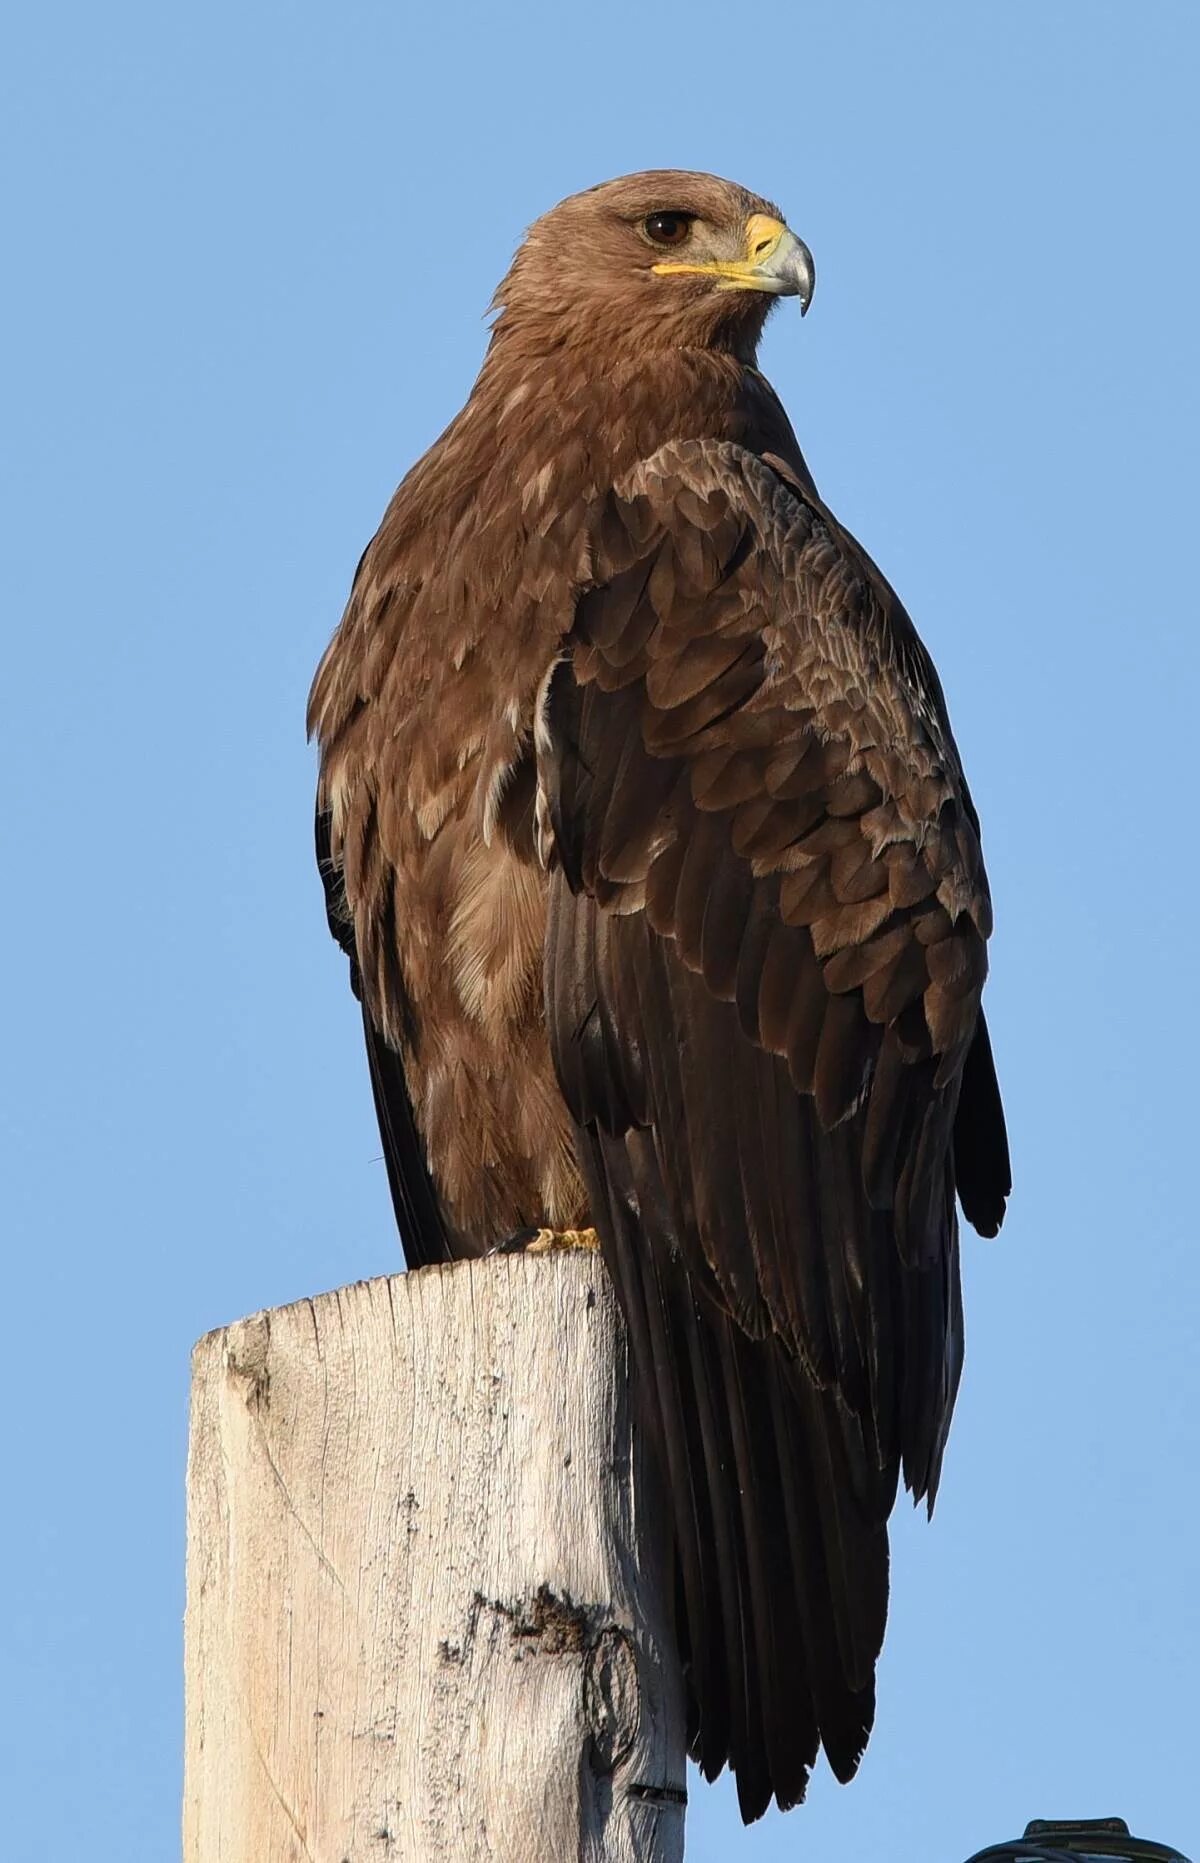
[[782, 1559]]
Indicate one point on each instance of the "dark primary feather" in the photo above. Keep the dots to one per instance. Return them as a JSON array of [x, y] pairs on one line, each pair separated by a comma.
[[764, 961], [418, 1210], [981, 1165]]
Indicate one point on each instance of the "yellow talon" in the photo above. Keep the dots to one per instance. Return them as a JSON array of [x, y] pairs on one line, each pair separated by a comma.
[[547, 1240]]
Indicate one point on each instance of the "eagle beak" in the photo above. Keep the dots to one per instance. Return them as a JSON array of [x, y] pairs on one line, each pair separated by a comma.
[[776, 262]]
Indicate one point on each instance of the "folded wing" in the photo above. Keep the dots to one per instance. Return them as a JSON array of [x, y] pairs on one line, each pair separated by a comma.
[[765, 955]]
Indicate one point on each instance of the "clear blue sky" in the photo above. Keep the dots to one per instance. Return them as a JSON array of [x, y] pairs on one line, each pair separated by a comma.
[[249, 258]]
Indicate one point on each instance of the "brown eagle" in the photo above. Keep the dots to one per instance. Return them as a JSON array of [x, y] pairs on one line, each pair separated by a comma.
[[644, 829]]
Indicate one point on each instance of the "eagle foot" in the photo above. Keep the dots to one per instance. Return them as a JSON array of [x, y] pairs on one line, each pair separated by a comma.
[[547, 1241]]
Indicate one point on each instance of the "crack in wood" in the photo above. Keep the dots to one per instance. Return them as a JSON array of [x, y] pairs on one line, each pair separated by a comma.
[[658, 1794]]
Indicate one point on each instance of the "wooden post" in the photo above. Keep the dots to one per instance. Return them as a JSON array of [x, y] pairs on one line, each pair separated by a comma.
[[421, 1623]]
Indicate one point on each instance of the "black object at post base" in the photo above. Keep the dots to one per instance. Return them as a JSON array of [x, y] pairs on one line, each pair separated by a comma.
[[1096, 1840]]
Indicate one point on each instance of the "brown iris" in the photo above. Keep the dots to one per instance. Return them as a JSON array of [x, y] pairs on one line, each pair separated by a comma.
[[667, 229]]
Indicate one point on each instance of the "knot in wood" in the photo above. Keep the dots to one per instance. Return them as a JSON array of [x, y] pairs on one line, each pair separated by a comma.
[[612, 1697]]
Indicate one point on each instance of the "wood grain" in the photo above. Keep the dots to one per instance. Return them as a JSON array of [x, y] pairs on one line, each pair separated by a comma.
[[422, 1620]]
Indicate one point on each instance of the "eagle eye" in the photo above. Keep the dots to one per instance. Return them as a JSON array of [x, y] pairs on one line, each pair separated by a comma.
[[667, 229]]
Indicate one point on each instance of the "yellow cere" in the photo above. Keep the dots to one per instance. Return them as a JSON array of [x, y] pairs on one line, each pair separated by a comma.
[[763, 234]]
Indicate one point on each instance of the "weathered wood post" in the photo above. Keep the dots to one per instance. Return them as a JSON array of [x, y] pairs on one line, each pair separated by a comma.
[[421, 1623]]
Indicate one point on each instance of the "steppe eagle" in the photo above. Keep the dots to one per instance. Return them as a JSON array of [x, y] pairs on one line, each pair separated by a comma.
[[643, 827]]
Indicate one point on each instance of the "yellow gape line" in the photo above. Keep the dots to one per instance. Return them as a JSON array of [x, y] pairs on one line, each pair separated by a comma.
[[763, 236]]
